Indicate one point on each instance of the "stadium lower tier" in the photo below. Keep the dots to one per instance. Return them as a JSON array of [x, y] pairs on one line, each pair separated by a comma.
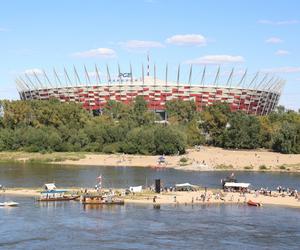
[[252, 101]]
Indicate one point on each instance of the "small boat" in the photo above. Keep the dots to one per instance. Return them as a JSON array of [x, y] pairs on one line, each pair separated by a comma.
[[53, 194], [59, 198], [101, 200], [253, 203], [9, 204]]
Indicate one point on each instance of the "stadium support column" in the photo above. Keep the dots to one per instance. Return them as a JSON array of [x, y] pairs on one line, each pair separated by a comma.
[[248, 89], [131, 82], [29, 88], [266, 89], [178, 79], [40, 82], [34, 86], [202, 84], [76, 76], [108, 80], [272, 99], [241, 82], [98, 79], [255, 87], [154, 82], [57, 81], [278, 94], [69, 87], [216, 81], [88, 84], [190, 81], [267, 100], [148, 65], [166, 90], [21, 90], [120, 79], [143, 80], [262, 93], [229, 80]]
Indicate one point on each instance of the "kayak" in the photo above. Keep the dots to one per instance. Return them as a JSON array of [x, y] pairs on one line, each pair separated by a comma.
[[253, 203], [9, 204]]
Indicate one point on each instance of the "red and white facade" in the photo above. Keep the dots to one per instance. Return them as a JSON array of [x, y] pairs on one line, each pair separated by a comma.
[[258, 100]]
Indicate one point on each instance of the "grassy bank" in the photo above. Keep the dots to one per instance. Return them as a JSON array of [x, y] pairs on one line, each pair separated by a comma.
[[40, 158]]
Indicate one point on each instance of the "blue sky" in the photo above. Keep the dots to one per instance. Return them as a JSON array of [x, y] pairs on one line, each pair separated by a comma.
[[257, 35]]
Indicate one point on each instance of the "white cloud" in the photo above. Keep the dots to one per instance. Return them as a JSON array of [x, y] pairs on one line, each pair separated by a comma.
[[284, 22], [33, 71], [100, 52], [274, 40], [282, 52], [140, 44], [188, 39], [287, 69], [216, 59]]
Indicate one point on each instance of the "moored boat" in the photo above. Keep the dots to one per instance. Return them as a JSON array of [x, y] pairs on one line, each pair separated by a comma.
[[52, 197], [53, 194], [253, 203], [101, 200], [9, 204]]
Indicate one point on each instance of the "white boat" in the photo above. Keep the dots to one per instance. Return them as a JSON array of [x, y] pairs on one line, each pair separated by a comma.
[[9, 204]]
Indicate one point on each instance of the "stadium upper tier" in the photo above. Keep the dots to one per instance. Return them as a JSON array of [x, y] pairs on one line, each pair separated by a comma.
[[258, 95]]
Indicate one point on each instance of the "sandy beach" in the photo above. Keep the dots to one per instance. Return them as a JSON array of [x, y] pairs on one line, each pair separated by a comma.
[[205, 159], [213, 196]]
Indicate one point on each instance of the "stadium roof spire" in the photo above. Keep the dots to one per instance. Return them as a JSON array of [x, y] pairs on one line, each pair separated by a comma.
[[148, 64]]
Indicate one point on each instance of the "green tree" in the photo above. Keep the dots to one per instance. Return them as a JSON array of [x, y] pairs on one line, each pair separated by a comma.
[[243, 131]]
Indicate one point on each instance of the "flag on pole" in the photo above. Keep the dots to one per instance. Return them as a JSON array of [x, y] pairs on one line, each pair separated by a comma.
[[99, 178]]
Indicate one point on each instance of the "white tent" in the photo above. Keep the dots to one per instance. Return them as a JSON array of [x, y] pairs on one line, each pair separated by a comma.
[[185, 186], [236, 185], [136, 189], [50, 186]]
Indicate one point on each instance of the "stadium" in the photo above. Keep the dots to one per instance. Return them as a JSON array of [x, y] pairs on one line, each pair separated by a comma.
[[257, 94]]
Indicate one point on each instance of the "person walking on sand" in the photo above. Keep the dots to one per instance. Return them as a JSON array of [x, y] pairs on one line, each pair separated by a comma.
[[154, 199], [175, 198]]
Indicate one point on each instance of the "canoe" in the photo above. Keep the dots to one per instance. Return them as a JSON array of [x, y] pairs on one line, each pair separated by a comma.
[[9, 204], [253, 203]]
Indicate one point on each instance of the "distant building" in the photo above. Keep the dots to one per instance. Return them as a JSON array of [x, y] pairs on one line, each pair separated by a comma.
[[257, 95]]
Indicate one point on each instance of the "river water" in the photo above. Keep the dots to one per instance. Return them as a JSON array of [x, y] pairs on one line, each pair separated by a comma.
[[35, 175], [70, 225]]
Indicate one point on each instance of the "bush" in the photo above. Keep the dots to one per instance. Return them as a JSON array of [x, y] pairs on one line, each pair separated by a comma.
[[111, 148], [263, 167], [282, 167], [183, 159], [169, 141]]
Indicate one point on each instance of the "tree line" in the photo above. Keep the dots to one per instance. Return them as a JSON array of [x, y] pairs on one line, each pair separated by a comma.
[[46, 126]]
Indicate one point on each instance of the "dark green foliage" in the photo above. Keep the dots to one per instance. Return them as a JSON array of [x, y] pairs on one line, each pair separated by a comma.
[[181, 111], [169, 141], [287, 138], [243, 131], [46, 126]]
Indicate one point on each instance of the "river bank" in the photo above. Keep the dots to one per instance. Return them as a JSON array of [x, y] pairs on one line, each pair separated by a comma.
[[213, 196], [203, 159]]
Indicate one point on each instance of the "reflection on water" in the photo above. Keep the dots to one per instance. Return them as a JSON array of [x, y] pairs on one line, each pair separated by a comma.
[[70, 225], [35, 175]]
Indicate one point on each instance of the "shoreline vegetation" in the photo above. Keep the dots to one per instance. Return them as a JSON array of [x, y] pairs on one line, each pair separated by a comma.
[[201, 159], [133, 129], [214, 197]]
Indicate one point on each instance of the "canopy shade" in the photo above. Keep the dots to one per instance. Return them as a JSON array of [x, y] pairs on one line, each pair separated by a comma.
[[185, 185], [237, 184], [50, 186]]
